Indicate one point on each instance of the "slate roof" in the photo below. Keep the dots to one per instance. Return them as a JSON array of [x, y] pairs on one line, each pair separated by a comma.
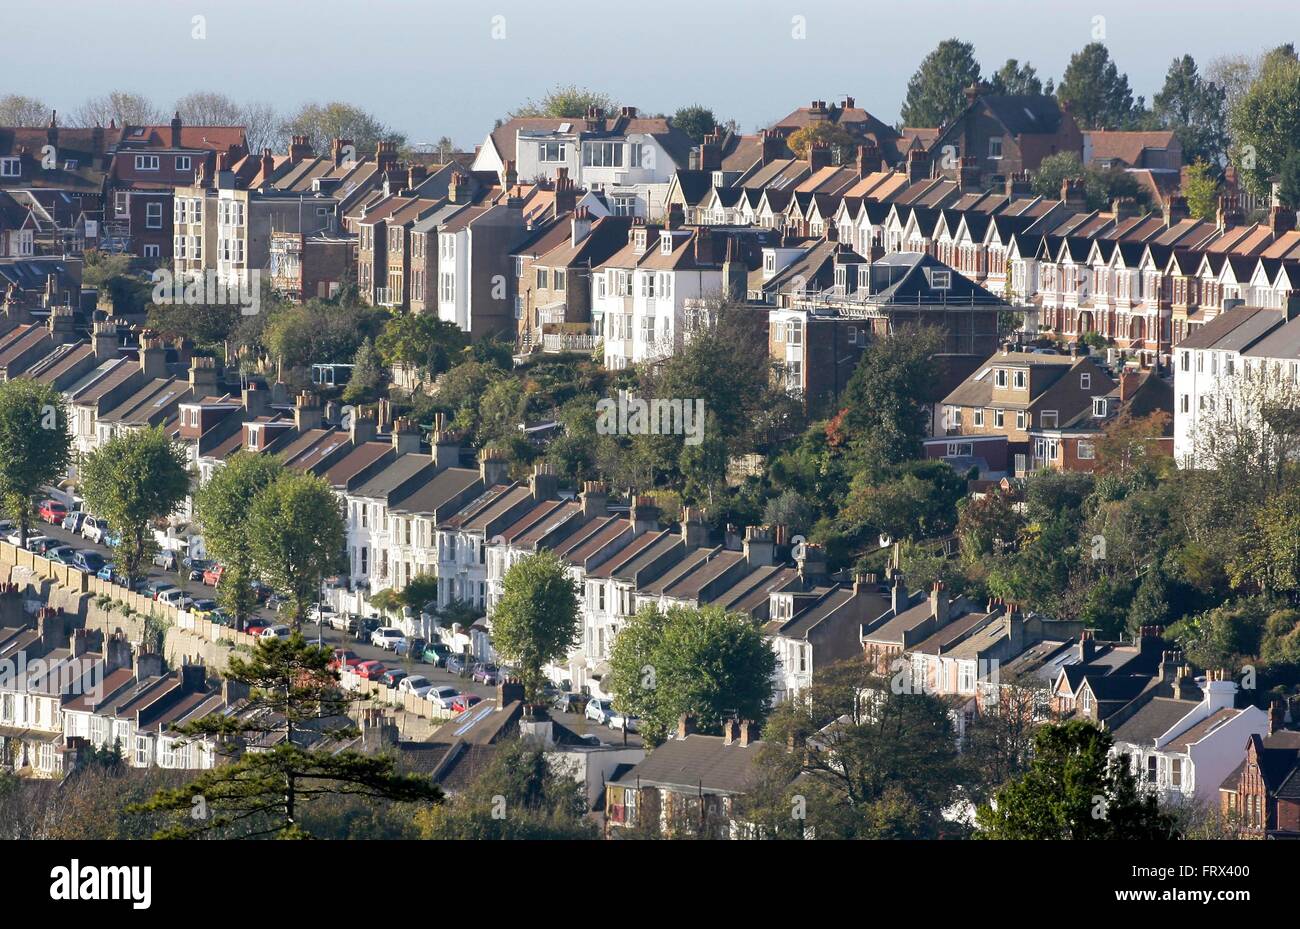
[[697, 762]]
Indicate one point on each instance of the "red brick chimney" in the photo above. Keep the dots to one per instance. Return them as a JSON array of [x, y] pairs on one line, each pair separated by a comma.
[[748, 732], [1281, 219], [869, 158], [268, 165], [918, 165], [566, 194], [685, 726], [711, 152], [415, 174], [385, 156], [1129, 381], [819, 155], [339, 149], [773, 146], [176, 130], [704, 246], [299, 148]]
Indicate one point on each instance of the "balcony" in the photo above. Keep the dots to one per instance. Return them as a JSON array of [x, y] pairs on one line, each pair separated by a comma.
[[555, 342]]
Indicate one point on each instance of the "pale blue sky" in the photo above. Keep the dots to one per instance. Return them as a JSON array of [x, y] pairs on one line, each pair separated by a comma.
[[429, 67]]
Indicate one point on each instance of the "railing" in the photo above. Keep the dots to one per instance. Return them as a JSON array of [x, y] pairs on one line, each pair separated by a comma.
[[568, 342]]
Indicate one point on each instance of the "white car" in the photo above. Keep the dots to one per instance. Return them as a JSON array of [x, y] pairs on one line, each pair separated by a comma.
[[388, 637], [619, 720], [94, 529], [175, 597], [443, 696], [278, 631], [416, 684], [600, 711]]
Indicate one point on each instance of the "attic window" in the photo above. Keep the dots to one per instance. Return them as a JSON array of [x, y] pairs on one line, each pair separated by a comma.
[[666, 245], [940, 279], [1099, 407]]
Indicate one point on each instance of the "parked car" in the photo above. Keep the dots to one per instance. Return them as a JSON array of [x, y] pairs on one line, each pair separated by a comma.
[[387, 637], [154, 588], [106, 572], [344, 622], [63, 554], [416, 684], [570, 703], [365, 626], [90, 561], [221, 618], [175, 597], [255, 626], [320, 614], [40, 544], [435, 653], [443, 696], [166, 560], [414, 646], [600, 711], [619, 720], [212, 575], [194, 568], [456, 664], [278, 631], [72, 522], [370, 670], [392, 677], [464, 702], [343, 658], [486, 673], [52, 511], [95, 530], [203, 607]]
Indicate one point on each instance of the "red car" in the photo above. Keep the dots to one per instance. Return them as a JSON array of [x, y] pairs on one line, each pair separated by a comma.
[[464, 702], [52, 511], [370, 670], [255, 626], [212, 576], [344, 658]]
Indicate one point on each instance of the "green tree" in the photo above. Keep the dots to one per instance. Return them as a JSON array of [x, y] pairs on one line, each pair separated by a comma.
[[791, 510], [888, 397], [424, 342], [1201, 189], [1074, 790], [838, 139], [1101, 185], [1268, 556], [420, 591], [294, 703], [1097, 93], [1016, 79], [132, 480], [704, 663], [367, 382], [1195, 108], [35, 446], [936, 92], [537, 619], [321, 123], [873, 761], [522, 793], [1150, 605], [694, 120], [916, 500], [565, 101], [296, 534], [224, 506], [1265, 122], [1289, 180]]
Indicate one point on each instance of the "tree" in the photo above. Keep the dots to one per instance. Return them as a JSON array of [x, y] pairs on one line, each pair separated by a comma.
[[873, 761], [1150, 605], [119, 106], [223, 506], [17, 110], [133, 480], [1013, 78], [837, 138], [695, 120], [536, 621], [916, 500], [1130, 442], [1265, 122], [317, 332], [420, 591], [296, 535], [1201, 190], [295, 704], [1289, 180], [523, 793], [704, 663], [888, 397], [424, 342], [368, 379], [1097, 94], [321, 123], [936, 92], [1101, 185], [565, 101], [791, 510], [35, 446], [1268, 556], [1195, 109], [209, 108], [988, 525], [1074, 790]]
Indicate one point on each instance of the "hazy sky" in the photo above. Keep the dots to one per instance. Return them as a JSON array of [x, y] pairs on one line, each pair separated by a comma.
[[433, 67]]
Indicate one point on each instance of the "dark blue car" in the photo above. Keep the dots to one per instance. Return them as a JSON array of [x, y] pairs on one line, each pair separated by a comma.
[[455, 664]]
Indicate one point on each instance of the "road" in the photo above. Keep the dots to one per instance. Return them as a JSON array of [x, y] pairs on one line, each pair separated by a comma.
[[336, 639]]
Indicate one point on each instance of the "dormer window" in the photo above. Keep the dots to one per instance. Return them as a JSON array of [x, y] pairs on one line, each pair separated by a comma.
[[146, 162], [1021, 380], [666, 245], [769, 263], [1000, 377], [1085, 381], [1099, 407], [940, 279]]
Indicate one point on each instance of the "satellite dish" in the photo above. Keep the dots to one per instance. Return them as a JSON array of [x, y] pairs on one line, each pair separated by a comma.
[[885, 540]]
